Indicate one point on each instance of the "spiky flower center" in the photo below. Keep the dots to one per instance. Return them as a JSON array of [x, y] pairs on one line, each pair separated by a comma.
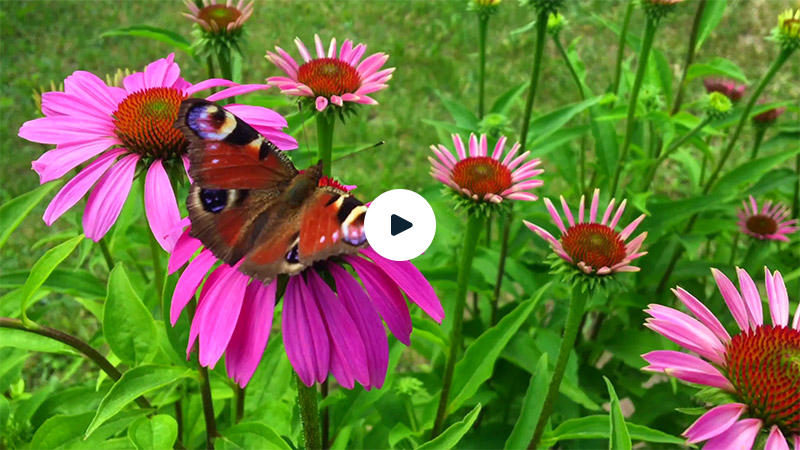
[[329, 76], [144, 122], [762, 224], [595, 244], [219, 15], [764, 367], [482, 175]]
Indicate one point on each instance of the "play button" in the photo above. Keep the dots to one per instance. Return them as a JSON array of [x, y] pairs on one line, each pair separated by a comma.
[[399, 224]]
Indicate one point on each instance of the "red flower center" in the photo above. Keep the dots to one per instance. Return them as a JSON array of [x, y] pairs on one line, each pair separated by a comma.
[[595, 244], [144, 122], [764, 367], [761, 224], [329, 76], [482, 175], [219, 15]]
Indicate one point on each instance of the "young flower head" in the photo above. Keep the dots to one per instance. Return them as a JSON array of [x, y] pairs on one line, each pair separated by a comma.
[[218, 18], [769, 222], [728, 88], [758, 367], [481, 177], [327, 328], [117, 129], [768, 117], [331, 77], [717, 105], [595, 248], [788, 30]]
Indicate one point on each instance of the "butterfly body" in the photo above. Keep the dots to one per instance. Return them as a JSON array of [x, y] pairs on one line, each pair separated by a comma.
[[252, 208]]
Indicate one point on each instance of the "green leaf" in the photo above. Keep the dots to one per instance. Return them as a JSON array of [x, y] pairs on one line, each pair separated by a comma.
[[750, 172], [25, 340], [75, 282], [478, 362], [248, 435], [544, 125], [709, 20], [134, 383], [42, 269], [59, 430], [716, 67], [15, 210], [157, 432], [159, 34], [453, 434], [461, 114], [127, 324], [596, 427], [507, 99], [619, 439], [532, 405]]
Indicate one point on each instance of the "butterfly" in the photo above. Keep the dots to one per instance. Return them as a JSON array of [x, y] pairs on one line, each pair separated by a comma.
[[251, 207]]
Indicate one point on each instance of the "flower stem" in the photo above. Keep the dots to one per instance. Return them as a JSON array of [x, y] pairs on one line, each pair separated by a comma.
[[773, 69], [158, 269], [576, 306], [796, 200], [82, 347], [309, 415], [663, 155], [326, 414], [623, 35], [325, 125], [106, 253], [208, 406], [757, 142], [690, 52], [647, 44], [582, 94], [210, 66], [240, 397], [541, 30], [483, 26], [501, 268], [734, 248], [471, 236]]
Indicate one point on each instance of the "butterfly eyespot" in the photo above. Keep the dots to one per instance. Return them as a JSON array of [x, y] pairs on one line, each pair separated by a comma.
[[293, 255], [214, 200]]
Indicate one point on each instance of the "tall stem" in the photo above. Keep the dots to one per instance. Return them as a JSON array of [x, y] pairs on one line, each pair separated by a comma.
[[796, 200], [623, 36], [576, 306], [106, 253], [773, 69], [240, 398], [309, 415], [501, 268], [663, 155], [647, 44], [325, 125], [541, 30], [734, 248], [82, 347], [326, 415], [208, 406], [582, 94], [158, 269], [483, 26], [690, 51], [760, 130], [474, 226]]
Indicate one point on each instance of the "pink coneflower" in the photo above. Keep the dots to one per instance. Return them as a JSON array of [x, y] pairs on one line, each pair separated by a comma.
[[331, 78], [769, 116], [767, 223], [594, 247], [486, 178], [121, 127], [758, 366], [326, 329], [728, 88], [216, 17]]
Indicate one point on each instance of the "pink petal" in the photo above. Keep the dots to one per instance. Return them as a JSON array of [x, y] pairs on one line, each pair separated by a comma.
[[593, 207], [252, 332], [686, 367], [714, 422], [778, 298], [79, 185], [187, 285], [740, 435], [160, 206], [56, 163], [89, 86], [732, 299], [236, 90], [776, 441], [703, 314], [185, 247], [106, 200], [751, 297], [555, 215], [208, 84], [304, 335], [321, 103], [218, 311]]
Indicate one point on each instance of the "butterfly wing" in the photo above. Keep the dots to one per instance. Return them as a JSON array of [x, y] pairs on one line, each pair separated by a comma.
[[227, 153]]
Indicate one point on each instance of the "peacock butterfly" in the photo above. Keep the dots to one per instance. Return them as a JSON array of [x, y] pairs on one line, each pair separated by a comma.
[[251, 207]]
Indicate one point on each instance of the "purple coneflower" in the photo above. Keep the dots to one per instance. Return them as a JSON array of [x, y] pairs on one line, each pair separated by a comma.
[[769, 222]]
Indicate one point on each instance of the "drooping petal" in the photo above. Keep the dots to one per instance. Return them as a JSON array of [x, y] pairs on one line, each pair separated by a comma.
[[218, 311], [106, 200], [732, 299], [304, 333], [752, 299], [251, 333], [160, 206], [740, 435], [714, 422], [686, 367], [187, 285], [776, 440], [185, 247]]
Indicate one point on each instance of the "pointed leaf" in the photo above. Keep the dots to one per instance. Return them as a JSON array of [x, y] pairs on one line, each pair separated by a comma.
[[507, 99], [157, 432], [42, 269], [158, 34], [619, 439], [717, 67], [453, 434], [532, 405], [15, 210], [709, 20], [249, 435], [127, 323]]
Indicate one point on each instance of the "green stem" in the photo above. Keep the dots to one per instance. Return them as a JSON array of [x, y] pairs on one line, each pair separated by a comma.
[[106, 253], [760, 131], [325, 125], [326, 415], [179, 420], [576, 306], [734, 248], [501, 268], [309, 415], [483, 26], [158, 269], [690, 52], [471, 236], [647, 44], [210, 66], [663, 155], [208, 406], [773, 69], [623, 35], [412, 418], [240, 397], [82, 347], [796, 200], [541, 30], [582, 94]]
